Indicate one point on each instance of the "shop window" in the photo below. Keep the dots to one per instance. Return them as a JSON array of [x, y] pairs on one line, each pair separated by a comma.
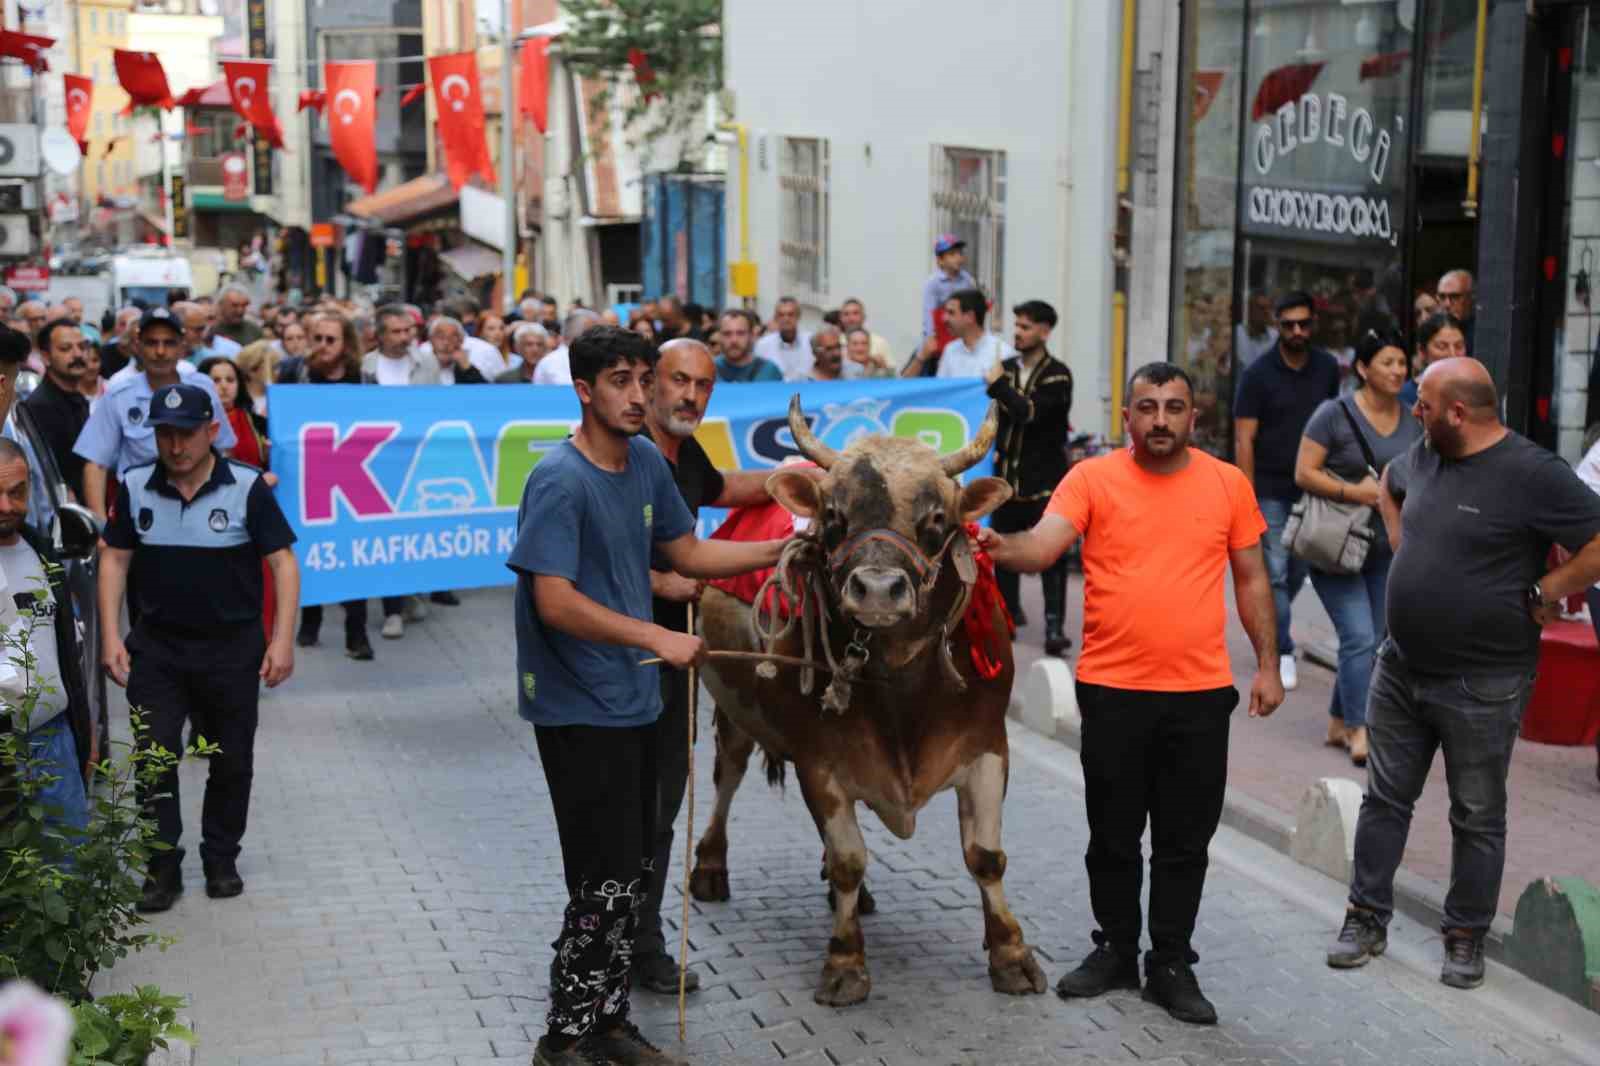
[[1451, 36], [803, 217], [969, 199]]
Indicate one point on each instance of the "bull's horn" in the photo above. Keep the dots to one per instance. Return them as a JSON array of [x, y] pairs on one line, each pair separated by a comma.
[[972, 453], [807, 441]]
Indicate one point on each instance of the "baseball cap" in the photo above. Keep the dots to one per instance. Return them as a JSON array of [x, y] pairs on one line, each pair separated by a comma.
[[947, 242], [184, 406], [164, 315]]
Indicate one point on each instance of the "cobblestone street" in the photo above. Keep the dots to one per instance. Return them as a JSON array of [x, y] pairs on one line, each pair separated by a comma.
[[403, 886]]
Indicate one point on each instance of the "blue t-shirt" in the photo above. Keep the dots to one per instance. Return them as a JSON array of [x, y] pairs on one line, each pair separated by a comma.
[[594, 528], [757, 369]]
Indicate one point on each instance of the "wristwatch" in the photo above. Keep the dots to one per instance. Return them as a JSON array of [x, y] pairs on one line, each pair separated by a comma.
[[1536, 598]]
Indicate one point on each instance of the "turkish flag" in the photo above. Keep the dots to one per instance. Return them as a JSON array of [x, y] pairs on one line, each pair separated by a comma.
[[352, 95], [535, 102], [143, 78], [79, 91], [460, 116], [26, 47], [643, 73], [247, 89]]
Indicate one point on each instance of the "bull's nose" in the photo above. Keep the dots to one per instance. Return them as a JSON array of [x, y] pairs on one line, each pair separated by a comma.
[[879, 596]]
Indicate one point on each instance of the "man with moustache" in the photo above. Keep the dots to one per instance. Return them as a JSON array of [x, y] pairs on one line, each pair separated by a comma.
[[593, 512], [737, 363], [1278, 394], [788, 347], [685, 376], [1160, 524], [1457, 669], [58, 407], [827, 355]]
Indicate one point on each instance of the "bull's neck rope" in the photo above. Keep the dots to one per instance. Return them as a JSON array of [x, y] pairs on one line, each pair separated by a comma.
[[801, 578]]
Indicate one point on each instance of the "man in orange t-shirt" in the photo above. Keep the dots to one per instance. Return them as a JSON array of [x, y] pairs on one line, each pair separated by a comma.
[[1160, 523]]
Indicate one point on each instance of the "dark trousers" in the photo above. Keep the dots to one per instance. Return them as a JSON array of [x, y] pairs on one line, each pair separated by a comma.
[[1019, 516], [355, 616], [1161, 756], [1474, 721], [223, 706], [603, 790], [672, 778]]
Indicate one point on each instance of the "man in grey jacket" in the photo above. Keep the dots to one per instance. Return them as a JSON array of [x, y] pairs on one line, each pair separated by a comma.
[[396, 360]]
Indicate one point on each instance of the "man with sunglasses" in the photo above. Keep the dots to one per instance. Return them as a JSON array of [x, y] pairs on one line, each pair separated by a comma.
[[1455, 296], [1277, 395]]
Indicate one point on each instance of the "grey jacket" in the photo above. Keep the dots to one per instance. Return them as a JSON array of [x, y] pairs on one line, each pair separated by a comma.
[[424, 368]]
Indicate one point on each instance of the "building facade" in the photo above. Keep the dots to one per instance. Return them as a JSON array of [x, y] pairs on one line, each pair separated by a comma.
[[108, 168]]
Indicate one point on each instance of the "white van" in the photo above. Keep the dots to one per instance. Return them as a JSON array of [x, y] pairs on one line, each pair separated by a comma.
[[148, 278]]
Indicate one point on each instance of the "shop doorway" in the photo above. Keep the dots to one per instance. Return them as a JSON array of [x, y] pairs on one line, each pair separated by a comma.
[[1444, 237]]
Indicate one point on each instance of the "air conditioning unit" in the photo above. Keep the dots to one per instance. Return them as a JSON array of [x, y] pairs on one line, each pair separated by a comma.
[[15, 239], [19, 151]]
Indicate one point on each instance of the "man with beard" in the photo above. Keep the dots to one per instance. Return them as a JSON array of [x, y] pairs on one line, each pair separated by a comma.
[[1160, 523], [1034, 391], [1278, 394], [58, 407], [593, 511], [737, 363], [685, 376], [827, 355], [1457, 670]]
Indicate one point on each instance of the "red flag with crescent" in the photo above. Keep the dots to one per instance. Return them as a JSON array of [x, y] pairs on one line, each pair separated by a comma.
[[535, 102], [352, 95], [252, 101], [79, 92], [26, 47], [143, 79], [460, 115]]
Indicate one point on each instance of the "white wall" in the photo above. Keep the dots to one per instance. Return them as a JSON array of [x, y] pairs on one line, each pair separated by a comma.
[[883, 82]]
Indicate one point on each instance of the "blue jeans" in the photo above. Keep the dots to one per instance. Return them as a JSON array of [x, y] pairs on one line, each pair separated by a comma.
[[1474, 719], [1288, 573], [1355, 606], [66, 805]]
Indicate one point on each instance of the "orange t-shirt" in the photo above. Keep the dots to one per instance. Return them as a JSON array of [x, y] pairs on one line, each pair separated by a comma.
[[1155, 551]]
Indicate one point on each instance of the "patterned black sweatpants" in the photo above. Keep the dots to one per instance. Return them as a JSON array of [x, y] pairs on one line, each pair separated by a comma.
[[603, 788]]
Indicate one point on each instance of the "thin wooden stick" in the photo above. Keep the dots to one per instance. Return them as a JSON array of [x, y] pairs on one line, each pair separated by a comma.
[[753, 656], [688, 848]]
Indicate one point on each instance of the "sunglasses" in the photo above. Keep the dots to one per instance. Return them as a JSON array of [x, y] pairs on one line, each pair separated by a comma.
[[1295, 325]]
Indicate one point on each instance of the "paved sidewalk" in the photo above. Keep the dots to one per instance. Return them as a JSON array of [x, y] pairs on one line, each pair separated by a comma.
[[404, 887], [1555, 798]]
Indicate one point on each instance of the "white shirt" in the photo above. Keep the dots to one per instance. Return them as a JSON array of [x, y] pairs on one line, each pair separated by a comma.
[[22, 574], [959, 361], [485, 357], [795, 360], [1247, 349], [554, 369], [393, 371]]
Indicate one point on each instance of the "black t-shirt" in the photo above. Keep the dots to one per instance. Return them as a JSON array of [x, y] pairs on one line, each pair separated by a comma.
[[1476, 532], [1282, 401], [60, 416], [699, 483]]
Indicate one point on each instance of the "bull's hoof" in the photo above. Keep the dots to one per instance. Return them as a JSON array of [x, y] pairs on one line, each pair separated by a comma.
[[709, 884], [844, 986], [1020, 978], [866, 903]]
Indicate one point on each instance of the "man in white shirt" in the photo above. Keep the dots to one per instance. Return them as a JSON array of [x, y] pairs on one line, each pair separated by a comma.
[[555, 368], [974, 350], [396, 361], [1254, 337], [484, 357], [787, 345]]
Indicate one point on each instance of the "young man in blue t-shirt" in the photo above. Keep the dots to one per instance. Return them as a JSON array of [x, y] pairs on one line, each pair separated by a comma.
[[591, 512]]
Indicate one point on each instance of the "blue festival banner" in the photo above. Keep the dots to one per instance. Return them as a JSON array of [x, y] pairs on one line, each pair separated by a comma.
[[393, 491]]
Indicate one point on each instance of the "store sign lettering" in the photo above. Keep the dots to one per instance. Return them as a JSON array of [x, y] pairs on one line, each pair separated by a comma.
[[1328, 119], [1318, 212]]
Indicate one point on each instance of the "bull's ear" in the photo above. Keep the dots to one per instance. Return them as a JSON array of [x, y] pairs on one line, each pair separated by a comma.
[[983, 495], [797, 492]]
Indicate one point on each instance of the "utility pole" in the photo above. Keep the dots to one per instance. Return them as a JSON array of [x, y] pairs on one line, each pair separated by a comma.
[[508, 159]]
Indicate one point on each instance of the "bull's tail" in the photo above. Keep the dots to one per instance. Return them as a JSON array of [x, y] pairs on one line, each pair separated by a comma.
[[777, 769]]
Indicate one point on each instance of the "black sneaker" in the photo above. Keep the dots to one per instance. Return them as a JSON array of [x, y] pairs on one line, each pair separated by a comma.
[[448, 599], [1171, 984], [359, 649], [656, 971], [222, 878], [1055, 641], [1463, 958], [1362, 939], [624, 1045], [163, 884], [1105, 968], [579, 1054], [308, 638]]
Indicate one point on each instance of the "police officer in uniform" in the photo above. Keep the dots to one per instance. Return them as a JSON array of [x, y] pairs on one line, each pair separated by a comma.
[[194, 528], [1034, 391], [117, 436]]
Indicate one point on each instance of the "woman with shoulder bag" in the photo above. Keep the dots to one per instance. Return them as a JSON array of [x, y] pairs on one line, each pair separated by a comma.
[[1347, 443]]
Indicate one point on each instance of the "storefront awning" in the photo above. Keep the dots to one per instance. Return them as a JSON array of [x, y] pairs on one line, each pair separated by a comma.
[[471, 261], [414, 198], [216, 201]]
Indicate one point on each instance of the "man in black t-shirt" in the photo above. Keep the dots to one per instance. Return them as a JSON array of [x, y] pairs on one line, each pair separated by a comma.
[[1278, 393], [684, 379], [1472, 511]]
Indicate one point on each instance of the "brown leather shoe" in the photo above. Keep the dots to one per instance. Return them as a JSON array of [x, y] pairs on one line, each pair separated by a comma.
[[1358, 745]]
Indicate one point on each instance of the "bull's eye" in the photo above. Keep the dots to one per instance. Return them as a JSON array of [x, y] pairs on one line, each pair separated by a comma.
[[932, 530], [832, 526]]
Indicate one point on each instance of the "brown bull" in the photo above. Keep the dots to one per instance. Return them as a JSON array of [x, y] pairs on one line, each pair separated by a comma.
[[907, 714]]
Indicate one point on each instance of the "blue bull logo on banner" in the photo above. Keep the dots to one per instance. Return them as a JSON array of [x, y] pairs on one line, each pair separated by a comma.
[[402, 490]]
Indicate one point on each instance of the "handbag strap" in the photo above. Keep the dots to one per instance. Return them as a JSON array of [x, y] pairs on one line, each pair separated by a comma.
[[1361, 438]]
